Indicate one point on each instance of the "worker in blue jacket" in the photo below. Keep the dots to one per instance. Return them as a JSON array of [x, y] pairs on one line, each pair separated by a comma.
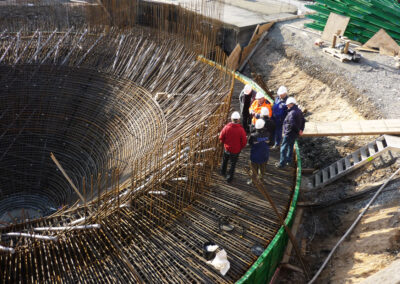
[[259, 153], [293, 127], [279, 112]]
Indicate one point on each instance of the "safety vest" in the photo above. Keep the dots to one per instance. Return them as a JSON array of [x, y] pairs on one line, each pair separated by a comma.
[[256, 108]]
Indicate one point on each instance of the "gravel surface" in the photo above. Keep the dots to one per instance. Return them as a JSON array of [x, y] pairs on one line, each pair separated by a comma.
[[331, 90], [373, 83]]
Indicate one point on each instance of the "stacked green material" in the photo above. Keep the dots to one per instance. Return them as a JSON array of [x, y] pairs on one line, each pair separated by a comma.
[[367, 17]]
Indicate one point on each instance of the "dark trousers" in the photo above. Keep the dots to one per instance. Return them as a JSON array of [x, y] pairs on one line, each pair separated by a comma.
[[246, 121], [287, 150], [278, 132], [227, 156]]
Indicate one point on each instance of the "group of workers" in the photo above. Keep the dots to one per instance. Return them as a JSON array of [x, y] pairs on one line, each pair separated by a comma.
[[262, 125]]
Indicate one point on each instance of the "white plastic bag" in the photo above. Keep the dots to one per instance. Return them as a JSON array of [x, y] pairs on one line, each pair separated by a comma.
[[221, 262]]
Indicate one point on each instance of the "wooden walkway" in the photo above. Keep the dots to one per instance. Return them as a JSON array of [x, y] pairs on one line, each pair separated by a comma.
[[347, 128]]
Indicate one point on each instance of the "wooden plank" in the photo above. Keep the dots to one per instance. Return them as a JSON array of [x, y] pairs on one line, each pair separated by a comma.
[[349, 128], [258, 32], [246, 52], [233, 60], [386, 44], [335, 53], [367, 49], [265, 27], [296, 223], [255, 33], [336, 25]]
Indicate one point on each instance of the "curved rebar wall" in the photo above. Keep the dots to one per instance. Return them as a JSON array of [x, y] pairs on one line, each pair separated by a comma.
[[132, 116], [92, 122]]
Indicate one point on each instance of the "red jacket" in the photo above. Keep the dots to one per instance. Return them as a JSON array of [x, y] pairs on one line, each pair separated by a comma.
[[234, 137]]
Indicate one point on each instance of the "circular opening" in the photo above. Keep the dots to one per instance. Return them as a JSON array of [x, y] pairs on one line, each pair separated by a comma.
[[91, 122]]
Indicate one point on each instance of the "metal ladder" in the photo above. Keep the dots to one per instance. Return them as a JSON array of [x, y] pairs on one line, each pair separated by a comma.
[[355, 160]]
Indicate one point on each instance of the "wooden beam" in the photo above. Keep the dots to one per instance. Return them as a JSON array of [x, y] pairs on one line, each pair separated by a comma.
[[351, 128], [295, 227]]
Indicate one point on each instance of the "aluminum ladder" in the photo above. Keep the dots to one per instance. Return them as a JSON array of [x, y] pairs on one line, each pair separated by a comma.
[[355, 160]]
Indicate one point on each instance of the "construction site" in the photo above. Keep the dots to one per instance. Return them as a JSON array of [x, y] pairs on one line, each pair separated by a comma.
[[110, 156]]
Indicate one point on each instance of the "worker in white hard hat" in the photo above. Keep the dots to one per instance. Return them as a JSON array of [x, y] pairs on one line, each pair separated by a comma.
[[259, 152], [246, 98], [279, 113], [293, 127], [269, 126], [234, 139], [255, 109]]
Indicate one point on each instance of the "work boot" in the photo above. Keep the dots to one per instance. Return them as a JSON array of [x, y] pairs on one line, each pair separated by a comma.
[[292, 165], [229, 179], [279, 166], [275, 147]]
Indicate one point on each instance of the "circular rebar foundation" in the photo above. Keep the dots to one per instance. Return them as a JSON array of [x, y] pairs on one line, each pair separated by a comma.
[[92, 122]]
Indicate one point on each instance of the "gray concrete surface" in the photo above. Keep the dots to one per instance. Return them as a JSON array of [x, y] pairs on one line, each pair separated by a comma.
[[244, 13]]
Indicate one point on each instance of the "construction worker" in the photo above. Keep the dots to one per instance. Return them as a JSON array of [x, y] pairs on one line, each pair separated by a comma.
[[234, 138], [259, 152], [279, 113], [269, 126], [255, 109], [293, 127], [246, 98]]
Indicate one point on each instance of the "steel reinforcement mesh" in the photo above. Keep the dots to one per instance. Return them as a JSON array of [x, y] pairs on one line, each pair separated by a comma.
[[131, 186], [90, 121]]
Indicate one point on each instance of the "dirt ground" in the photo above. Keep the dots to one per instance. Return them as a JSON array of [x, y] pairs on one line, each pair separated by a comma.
[[328, 93]]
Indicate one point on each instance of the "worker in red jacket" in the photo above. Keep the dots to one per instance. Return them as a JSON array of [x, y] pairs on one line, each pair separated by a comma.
[[234, 138]]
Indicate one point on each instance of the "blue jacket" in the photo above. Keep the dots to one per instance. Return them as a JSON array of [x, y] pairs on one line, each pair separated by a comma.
[[259, 152], [279, 110], [293, 123]]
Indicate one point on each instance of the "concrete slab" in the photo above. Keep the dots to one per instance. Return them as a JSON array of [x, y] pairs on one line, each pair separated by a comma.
[[244, 13]]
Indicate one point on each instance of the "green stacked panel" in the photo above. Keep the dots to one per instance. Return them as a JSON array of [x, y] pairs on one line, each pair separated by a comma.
[[366, 17]]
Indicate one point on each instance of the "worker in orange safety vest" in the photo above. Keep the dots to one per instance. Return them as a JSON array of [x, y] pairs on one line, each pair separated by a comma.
[[255, 108]]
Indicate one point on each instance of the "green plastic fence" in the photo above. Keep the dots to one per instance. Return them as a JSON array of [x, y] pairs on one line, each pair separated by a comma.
[[264, 267]]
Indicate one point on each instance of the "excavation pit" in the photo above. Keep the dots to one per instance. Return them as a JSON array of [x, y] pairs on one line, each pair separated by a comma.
[[92, 123]]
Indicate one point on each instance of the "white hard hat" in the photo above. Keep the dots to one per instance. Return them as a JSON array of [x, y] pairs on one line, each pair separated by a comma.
[[247, 89], [259, 96], [235, 115], [291, 100], [282, 90], [264, 111], [260, 123]]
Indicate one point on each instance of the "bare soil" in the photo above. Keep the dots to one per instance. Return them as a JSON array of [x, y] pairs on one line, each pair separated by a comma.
[[328, 93]]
